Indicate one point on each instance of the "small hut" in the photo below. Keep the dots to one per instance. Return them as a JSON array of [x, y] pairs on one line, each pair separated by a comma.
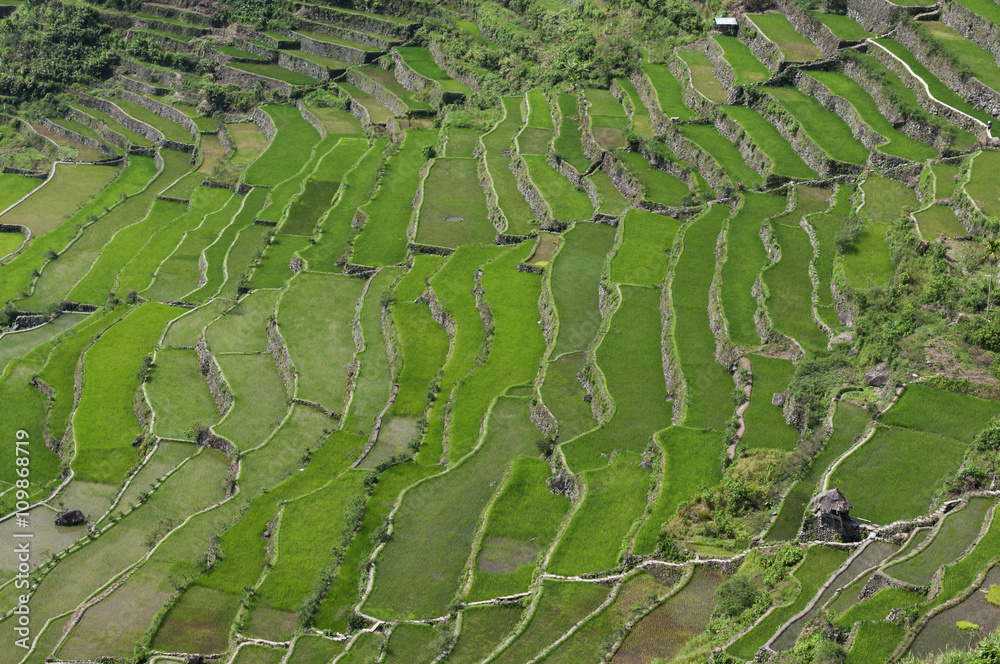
[[727, 25], [831, 508]]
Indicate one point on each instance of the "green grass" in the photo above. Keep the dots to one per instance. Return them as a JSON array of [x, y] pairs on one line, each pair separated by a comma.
[[703, 75], [602, 102], [563, 604], [790, 289], [709, 385], [452, 285], [315, 317], [766, 426], [435, 526], [612, 200], [424, 348], [566, 202], [955, 535], [896, 473], [534, 141], [452, 189], [288, 152], [877, 607], [387, 79], [112, 124], [987, 10], [19, 343], [285, 192], [940, 412], [104, 423], [412, 643], [383, 240], [320, 188], [575, 283], [569, 143], [170, 129], [784, 159], [691, 462], [27, 405], [483, 628], [641, 124], [898, 143], [959, 576], [644, 254], [745, 258], [615, 497], [826, 128], [138, 273], [273, 270], [826, 226], [708, 138], [779, 30], [662, 633], [848, 423], [630, 356], [377, 113], [234, 52], [520, 527], [842, 26], [981, 186], [563, 395], [875, 642], [539, 112], [658, 186], [260, 399], [420, 60], [938, 90], [515, 209], [746, 67], [886, 199], [938, 220], [461, 143], [867, 262], [274, 71], [336, 230], [945, 179], [977, 59], [310, 648], [669, 92], [179, 395], [242, 328], [9, 243], [64, 193], [515, 350], [14, 187], [817, 566]]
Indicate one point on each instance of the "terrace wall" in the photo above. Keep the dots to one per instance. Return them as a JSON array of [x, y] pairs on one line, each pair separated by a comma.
[[102, 130], [578, 180], [531, 193], [79, 138], [974, 91], [449, 66], [165, 42], [407, 76], [268, 54], [362, 22], [164, 78], [247, 80], [161, 109], [172, 28], [644, 87], [123, 118], [696, 101], [972, 26], [180, 15], [752, 154], [140, 87], [702, 161], [301, 66], [336, 51], [932, 105], [722, 69], [810, 28], [878, 16], [765, 49], [378, 93], [345, 33]]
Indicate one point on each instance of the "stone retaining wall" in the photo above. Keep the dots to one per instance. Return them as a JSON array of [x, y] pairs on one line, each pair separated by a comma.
[[248, 81], [123, 118], [878, 16], [176, 13], [696, 101], [171, 28], [311, 119], [102, 130], [765, 49], [217, 384], [336, 51], [279, 350], [164, 78], [166, 42], [702, 162], [578, 180], [264, 121], [972, 26], [974, 91], [810, 28], [345, 33], [79, 138], [407, 76], [363, 22], [722, 70], [929, 103], [378, 93], [629, 186], [269, 54], [657, 118], [303, 66], [140, 87], [531, 193], [752, 154], [163, 110], [453, 68]]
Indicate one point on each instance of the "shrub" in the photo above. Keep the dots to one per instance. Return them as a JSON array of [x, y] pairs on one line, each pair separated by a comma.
[[735, 596], [988, 440]]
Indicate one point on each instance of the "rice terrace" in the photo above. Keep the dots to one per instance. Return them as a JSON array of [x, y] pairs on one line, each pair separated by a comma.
[[499, 331]]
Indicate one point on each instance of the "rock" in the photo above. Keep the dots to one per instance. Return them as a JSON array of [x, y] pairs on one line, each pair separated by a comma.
[[878, 375], [853, 351], [70, 518], [588, 398], [562, 483], [778, 399], [194, 659]]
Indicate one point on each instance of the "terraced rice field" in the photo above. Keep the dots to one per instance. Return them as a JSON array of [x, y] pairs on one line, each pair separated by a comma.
[[489, 378]]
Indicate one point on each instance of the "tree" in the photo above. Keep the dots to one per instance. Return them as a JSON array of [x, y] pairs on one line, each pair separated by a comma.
[[992, 255]]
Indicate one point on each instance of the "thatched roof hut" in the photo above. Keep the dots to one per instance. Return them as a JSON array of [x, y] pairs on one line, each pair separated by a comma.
[[831, 502]]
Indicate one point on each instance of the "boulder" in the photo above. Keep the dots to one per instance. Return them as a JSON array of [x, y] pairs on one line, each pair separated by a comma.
[[70, 518], [778, 399], [878, 375]]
